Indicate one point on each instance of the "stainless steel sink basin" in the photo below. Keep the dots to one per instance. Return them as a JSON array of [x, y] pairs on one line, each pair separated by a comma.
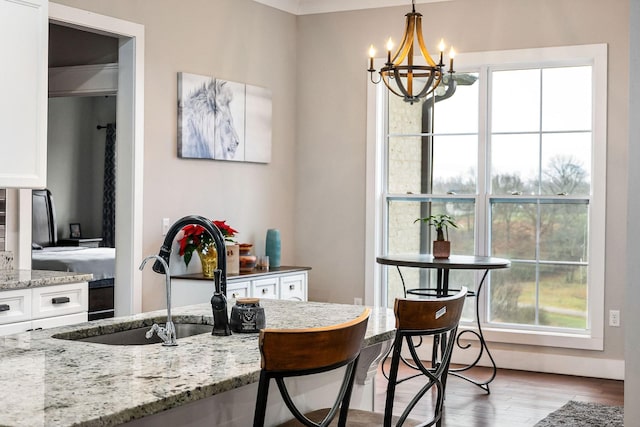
[[129, 335]]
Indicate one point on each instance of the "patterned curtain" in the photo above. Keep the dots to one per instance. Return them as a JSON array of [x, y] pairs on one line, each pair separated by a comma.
[[109, 189]]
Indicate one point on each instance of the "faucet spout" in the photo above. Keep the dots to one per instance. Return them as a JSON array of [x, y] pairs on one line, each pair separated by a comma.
[[219, 300], [168, 332], [214, 232]]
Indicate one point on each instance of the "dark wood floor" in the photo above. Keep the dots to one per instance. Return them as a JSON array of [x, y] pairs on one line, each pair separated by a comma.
[[517, 398]]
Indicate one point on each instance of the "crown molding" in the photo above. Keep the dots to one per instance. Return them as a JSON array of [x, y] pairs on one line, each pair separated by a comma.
[[308, 7]]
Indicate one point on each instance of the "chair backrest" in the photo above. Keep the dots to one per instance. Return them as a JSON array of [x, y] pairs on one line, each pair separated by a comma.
[[296, 352], [43, 224], [432, 314]]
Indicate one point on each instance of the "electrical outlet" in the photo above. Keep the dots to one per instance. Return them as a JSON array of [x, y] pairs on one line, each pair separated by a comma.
[[614, 317], [166, 223], [357, 301]]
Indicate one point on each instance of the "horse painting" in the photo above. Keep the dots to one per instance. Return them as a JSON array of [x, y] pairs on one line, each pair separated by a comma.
[[206, 126]]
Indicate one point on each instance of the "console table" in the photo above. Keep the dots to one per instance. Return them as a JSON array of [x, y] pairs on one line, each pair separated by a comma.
[[443, 266], [284, 282]]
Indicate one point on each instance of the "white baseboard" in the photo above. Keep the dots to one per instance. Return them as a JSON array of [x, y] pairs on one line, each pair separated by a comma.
[[539, 362]]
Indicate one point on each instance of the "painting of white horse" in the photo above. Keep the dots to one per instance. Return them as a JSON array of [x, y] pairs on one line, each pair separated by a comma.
[[223, 120], [210, 118]]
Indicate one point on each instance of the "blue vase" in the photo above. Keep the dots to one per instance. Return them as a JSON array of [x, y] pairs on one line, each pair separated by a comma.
[[272, 249]]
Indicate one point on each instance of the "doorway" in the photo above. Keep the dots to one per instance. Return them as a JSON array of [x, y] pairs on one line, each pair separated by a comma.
[[129, 145]]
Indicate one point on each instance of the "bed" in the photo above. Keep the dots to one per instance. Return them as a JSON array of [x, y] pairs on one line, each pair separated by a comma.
[[48, 254]]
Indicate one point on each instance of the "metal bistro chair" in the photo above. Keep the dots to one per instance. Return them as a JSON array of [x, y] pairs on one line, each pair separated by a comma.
[[297, 352], [437, 317]]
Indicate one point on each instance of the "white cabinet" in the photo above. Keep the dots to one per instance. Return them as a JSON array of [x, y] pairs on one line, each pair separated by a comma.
[[24, 29], [288, 283], [265, 288], [294, 287], [43, 307]]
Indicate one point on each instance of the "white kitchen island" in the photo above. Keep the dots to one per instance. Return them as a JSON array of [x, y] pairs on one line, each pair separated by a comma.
[[205, 380]]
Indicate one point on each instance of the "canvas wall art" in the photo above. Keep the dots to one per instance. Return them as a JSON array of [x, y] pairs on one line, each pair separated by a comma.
[[223, 120]]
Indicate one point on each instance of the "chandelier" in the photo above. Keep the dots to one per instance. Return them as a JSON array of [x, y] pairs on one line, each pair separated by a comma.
[[411, 81]]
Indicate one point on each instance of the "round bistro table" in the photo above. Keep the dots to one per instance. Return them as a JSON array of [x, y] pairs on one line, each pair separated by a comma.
[[443, 266]]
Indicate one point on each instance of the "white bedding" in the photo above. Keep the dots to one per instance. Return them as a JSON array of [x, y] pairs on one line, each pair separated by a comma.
[[98, 261]]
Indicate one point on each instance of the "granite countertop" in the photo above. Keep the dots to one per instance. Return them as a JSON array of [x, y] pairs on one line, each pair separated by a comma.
[[253, 274], [23, 279], [55, 382]]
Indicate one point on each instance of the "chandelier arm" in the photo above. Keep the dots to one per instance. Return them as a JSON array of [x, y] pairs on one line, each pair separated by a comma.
[[423, 48], [388, 85], [407, 41], [427, 89]]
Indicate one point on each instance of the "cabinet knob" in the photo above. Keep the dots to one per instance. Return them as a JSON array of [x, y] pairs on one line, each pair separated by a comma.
[[292, 287], [234, 295], [60, 300], [265, 291], [5, 307]]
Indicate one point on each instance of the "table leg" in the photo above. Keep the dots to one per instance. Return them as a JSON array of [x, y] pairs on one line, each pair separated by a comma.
[[483, 384]]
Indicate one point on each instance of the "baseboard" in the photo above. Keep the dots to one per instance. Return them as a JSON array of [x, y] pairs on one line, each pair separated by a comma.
[[540, 362]]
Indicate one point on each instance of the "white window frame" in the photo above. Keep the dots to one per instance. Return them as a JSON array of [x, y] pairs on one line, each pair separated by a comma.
[[595, 55]]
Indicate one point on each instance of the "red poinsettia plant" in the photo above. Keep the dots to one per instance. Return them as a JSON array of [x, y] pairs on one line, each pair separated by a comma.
[[196, 238]]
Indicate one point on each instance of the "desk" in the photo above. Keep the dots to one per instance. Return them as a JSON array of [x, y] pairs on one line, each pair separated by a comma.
[[443, 266]]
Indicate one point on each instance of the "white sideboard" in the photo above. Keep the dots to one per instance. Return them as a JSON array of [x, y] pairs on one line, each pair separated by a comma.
[[43, 307], [286, 283]]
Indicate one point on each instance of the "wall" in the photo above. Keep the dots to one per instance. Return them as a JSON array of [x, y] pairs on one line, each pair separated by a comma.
[[331, 122], [236, 40], [631, 316], [75, 156]]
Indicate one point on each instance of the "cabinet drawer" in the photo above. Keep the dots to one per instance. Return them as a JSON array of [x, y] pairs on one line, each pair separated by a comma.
[[293, 287], [15, 306], [60, 300], [265, 288], [15, 328], [238, 290], [54, 322]]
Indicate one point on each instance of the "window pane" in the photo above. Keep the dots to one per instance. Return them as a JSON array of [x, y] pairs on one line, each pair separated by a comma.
[[515, 101], [454, 165], [514, 164], [512, 295], [563, 296], [404, 118], [406, 236], [404, 161], [459, 113], [566, 98], [564, 232], [513, 230], [566, 163]]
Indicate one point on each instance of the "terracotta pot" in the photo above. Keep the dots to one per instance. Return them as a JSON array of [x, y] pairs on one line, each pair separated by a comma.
[[441, 248]]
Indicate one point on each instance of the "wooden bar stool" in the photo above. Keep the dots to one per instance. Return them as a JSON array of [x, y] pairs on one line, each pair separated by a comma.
[[297, 352]]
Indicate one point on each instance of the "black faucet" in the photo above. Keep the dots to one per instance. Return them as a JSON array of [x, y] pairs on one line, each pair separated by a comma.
[[218, 300]]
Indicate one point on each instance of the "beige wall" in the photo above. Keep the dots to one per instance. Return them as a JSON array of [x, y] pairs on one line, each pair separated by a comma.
[[314, 188], [236, 40], [331, 122]]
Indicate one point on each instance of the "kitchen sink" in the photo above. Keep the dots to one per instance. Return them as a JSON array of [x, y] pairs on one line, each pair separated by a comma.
[[128, 334]]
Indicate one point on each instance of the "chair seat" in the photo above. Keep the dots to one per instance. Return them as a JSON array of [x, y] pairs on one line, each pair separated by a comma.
[[356, 418]]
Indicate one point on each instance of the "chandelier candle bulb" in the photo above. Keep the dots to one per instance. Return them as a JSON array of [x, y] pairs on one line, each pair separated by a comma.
[[452, 54], [389, 47], [441, 46], [372, 54]]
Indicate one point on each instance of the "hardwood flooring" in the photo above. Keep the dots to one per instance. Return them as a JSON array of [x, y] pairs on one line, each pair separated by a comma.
[[517, 399]]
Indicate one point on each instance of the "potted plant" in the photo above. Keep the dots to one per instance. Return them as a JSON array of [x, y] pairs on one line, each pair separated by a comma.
[[441, 223]]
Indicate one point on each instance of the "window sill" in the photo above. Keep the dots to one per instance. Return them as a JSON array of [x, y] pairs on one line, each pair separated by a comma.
[[537, 338]]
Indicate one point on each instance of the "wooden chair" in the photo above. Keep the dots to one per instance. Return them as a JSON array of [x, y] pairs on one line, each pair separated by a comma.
[[297, 352], [417, 318]]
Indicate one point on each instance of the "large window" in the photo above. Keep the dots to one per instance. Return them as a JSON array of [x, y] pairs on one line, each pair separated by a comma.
[[517, 156]]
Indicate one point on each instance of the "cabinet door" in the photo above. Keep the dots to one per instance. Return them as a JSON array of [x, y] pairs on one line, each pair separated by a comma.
[[265, 288], [24, 29], [59, 300], [15, 306], [293, 287], [238, 290]]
